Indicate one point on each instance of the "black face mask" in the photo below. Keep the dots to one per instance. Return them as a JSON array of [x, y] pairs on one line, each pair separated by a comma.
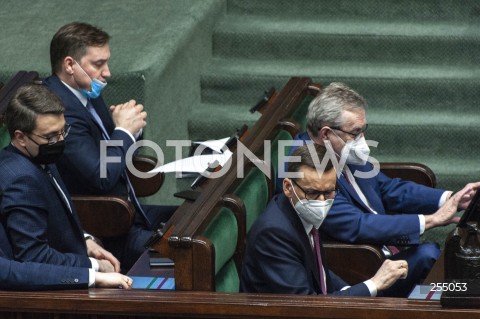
[[49, 153]]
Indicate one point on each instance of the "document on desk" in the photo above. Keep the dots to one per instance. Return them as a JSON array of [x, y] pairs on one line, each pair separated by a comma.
[[425, 292], [194, 164], [162, 283], [214, 145]]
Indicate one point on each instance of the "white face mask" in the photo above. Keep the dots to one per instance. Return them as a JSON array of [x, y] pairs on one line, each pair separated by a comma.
[[358, 151], [312, 211]]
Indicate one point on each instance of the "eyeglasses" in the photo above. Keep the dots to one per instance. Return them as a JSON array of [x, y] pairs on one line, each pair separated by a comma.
[[313, 194], [55, 137], [356, 135]]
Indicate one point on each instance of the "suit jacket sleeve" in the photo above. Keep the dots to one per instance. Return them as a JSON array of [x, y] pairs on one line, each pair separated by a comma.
[[337, 284], [351, 222], [347, 222], [83, 153], [35, 276], [26, 214]]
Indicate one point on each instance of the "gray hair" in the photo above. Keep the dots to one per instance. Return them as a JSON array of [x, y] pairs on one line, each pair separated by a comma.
[[327, 108]]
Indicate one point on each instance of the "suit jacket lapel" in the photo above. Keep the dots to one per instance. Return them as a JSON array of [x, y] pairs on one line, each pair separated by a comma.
[[104, 114], [351, 191], [310, 262], [370, 194], [66, 202]]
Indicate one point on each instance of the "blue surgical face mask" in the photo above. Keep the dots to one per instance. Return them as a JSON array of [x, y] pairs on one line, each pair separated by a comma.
[[96, 85]]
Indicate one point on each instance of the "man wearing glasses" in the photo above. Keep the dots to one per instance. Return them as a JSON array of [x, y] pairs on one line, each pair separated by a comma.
[[39, 217], [336, 119], [284, 253]]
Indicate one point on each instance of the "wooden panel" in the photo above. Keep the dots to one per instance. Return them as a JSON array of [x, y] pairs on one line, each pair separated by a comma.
[[118, 303]]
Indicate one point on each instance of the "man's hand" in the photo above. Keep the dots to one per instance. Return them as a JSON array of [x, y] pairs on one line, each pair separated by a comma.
[[446, 214], [112, 280], [106, 261], [389, 273], [467, 197], [129, 116]]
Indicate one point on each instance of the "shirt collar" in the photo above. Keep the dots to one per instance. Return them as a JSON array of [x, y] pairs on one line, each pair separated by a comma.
[[78, 94], [306, 225]]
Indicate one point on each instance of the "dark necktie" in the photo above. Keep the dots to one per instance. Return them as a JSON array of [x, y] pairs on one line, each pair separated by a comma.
[[393, 249], [131, 192], [316, 246], [58, 188]]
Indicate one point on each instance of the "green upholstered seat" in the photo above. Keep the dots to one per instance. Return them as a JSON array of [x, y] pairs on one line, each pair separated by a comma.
[[4, 137], [253, 190], [301, 112], [223, 233], [227, 278], [281, 136]]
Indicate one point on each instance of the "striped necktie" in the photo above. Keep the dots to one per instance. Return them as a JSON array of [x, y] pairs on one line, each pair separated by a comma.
[[316, 246], [131, 192]]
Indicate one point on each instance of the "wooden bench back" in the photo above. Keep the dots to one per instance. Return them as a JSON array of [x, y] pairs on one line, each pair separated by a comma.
[[182, 237]]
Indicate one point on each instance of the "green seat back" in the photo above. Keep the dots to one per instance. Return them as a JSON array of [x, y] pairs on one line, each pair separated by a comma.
[[227, 279], [281, 136], [4, 136], [301, 112], [223, 233], [253, 190]]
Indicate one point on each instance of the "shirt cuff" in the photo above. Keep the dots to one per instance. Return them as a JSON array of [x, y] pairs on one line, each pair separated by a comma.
[[95, 264], [446, 195], [126, 131], [91, 278], [371, 287], [421, 219], [139, 133]]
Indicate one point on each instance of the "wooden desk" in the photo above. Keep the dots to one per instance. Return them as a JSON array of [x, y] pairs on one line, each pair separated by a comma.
[[142, 268], [118, 303]]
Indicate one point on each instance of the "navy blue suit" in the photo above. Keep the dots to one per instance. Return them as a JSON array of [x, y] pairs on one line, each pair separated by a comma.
[[16, 275], [37, 219], [350, 220], [80, 168], [279, 257]]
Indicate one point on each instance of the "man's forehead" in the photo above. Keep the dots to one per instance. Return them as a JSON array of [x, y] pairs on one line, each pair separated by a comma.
[[47, 123], [95, 53], [354, 119], [312, 177]]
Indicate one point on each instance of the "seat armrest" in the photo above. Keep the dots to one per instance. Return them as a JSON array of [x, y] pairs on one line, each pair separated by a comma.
[[145, 186], [415, 172], [104, 216], [354, 263]]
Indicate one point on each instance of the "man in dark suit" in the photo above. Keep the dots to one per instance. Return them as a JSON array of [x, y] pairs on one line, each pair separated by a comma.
[[16, 275], [284, 254], [39, 217], [336, 119], [79, 55]]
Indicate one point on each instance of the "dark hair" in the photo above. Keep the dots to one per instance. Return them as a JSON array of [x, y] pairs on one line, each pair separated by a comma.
[[72, 40], [306, 158], [28, 102]]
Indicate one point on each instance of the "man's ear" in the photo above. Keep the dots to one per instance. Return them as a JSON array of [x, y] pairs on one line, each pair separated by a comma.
[[321, 136], [323, 133], [287, 187], [19, 138], [68, 63]]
